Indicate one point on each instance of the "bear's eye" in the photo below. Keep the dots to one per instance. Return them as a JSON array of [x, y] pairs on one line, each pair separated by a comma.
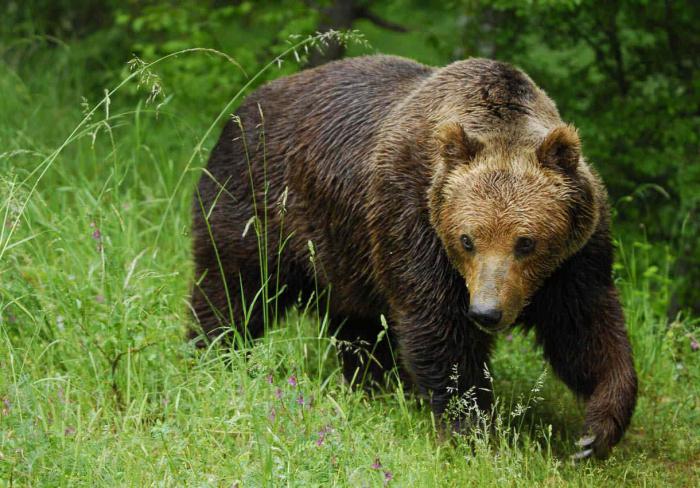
[[524, 246], [467, 243]]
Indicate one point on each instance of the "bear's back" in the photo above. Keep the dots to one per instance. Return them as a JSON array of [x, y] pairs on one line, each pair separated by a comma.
[[320, 128], [332, 112], [317, 125]]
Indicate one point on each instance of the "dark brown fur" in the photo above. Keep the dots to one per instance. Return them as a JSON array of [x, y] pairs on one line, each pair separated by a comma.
[[368, 152]]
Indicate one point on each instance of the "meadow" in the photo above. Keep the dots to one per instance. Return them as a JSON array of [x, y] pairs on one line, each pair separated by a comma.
[[100, 387]]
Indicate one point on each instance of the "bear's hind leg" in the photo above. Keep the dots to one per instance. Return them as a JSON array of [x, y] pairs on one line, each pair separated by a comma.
[[366, 353], [221, 306], [233, 305]]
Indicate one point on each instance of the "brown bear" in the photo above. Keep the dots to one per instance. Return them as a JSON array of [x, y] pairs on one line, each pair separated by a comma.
[[454, 201]]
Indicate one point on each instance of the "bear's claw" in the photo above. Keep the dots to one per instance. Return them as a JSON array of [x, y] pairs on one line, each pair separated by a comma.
[[586, 443], [581, 455]]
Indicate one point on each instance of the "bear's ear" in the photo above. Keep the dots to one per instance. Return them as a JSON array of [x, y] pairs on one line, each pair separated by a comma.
[[561, 149], [455, 145]]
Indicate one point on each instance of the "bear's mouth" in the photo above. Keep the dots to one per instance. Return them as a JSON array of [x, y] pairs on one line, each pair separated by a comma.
[[491, 330]]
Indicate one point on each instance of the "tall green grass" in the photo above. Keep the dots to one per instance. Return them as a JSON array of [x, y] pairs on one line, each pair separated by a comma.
[[100, 387]]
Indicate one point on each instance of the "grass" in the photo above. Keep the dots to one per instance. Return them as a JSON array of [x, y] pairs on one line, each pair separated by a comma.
[[100, 387]]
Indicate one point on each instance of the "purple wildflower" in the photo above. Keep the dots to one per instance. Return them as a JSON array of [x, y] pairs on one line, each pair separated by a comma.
[[292, 381], [509, 337], [272, 415], [377, 464], [300, 400], [694, 344], [269, 379], [97, 236], [278, 393], [322, 435], [388, 476]]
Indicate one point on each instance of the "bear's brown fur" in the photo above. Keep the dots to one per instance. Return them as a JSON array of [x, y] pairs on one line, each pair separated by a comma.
[[452, 200]]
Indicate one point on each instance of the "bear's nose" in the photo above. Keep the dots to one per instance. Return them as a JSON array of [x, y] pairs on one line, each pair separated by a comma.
[[486, 317]]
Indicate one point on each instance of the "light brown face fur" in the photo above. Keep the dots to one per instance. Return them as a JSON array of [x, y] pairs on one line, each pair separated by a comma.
[[514, 213]]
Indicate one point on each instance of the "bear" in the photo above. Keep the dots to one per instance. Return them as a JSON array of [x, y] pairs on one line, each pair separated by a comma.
[[454, 202]]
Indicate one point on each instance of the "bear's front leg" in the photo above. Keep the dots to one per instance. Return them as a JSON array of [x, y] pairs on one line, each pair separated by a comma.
[[445, 357], [606, 356], [579, 322]]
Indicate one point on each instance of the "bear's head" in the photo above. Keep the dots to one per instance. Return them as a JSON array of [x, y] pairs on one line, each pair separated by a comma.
[[509, 214]]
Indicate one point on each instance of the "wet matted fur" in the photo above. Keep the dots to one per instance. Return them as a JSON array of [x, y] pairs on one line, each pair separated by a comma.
[[427, 193]]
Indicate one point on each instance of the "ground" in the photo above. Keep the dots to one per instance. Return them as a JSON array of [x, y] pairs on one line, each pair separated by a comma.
[[99, 386]]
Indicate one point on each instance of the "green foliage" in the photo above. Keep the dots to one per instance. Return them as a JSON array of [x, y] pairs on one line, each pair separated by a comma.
[[249, 34], [99, 386]]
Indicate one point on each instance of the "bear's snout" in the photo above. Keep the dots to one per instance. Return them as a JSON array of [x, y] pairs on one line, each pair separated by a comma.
[[485, 316]]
